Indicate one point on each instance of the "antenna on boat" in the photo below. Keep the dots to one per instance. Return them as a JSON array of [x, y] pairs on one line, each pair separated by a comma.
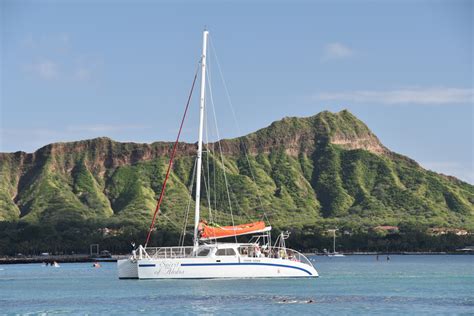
[[201, 124]]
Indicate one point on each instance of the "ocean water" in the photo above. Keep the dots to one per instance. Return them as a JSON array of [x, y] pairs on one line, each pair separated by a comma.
[[350, 285]]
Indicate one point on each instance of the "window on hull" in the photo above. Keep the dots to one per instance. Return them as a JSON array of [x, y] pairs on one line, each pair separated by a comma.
[[225, 252], [203, 252]]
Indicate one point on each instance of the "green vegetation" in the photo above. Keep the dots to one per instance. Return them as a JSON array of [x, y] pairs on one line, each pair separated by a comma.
[[305, 174]]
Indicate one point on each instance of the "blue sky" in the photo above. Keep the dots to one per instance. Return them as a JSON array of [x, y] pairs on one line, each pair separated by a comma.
[[82, 69]]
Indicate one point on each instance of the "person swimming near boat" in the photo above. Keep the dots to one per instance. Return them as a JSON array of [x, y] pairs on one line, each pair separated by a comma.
[[96, 265]]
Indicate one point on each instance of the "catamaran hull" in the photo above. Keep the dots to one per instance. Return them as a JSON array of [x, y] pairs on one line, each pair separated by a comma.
[[209, 269], [127, 269]]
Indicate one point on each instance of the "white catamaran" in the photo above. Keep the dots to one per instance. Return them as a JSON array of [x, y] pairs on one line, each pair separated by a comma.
[[207, 258]]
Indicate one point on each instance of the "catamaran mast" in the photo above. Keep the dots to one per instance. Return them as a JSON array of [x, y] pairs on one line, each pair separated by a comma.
[[201, 125]]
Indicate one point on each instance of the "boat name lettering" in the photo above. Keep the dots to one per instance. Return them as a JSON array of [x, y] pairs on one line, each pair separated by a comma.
[[170, 268]]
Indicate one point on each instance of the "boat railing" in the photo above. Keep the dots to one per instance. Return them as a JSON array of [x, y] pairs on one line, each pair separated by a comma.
[[275, 252], [288, 254], [167, 252], [246, 250]]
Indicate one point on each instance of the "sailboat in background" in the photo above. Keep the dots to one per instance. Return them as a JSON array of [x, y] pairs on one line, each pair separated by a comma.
[[208, 258], [334, 253]]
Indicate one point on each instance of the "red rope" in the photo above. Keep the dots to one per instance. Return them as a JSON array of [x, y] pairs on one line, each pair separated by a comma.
[[163, 188]]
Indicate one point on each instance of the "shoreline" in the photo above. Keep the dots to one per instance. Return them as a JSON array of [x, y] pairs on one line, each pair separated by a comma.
[[401, 253], [87, 258], [59, 259]]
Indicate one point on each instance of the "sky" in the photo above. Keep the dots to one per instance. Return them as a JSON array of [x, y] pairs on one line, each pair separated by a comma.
[[73, 70]]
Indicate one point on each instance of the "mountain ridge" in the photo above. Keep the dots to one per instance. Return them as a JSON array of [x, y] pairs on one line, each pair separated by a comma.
[[326, 167]]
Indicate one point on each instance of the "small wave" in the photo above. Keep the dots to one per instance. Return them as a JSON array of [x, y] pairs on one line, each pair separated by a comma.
[[288, 302]]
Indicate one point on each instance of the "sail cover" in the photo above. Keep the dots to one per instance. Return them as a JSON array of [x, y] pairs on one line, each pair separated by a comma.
[[214, 232]]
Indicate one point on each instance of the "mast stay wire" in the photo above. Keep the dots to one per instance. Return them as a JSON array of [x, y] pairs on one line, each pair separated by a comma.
[[190, 190], [173, 152], [207, 182], [221, 154], [232, 193], [229, 100]]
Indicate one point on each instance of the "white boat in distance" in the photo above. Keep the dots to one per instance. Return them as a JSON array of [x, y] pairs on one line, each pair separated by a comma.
[[334, 252], [208, 258]]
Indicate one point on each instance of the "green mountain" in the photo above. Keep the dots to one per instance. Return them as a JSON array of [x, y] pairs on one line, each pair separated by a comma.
[[328, 169]]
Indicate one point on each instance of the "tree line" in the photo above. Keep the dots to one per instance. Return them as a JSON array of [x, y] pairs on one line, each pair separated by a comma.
[[68, 237]]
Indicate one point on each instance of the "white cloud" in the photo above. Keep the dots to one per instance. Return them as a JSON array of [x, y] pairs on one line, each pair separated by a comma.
[[83, 74], [52, 57], [336, 51], [45, 69], [402, 96]]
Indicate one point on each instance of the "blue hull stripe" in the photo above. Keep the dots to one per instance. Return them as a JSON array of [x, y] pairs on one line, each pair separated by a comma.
[[147, 265], [245, 264]]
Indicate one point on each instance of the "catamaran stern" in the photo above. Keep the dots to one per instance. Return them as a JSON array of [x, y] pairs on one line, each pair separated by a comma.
[[127, 268]]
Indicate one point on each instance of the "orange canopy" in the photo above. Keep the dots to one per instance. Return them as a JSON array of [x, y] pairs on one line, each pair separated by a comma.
[[209, 232]]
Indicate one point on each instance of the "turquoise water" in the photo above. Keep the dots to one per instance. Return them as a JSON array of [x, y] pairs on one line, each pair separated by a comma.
[[349, 285]]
